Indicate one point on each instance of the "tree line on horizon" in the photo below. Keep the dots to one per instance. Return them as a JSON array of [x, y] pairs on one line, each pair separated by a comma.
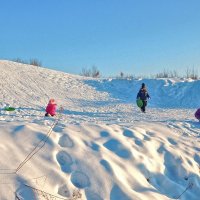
[[32, 61], [94, 72], [191, 73]]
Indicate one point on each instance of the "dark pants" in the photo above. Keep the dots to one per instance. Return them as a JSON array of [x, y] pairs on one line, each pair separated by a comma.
[[144, 105], [47, 115]]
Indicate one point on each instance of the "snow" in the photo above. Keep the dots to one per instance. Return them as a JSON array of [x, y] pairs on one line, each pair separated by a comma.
[[101, 147]]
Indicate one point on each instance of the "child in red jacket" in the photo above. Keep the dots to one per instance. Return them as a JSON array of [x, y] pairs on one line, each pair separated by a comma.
[[51, 108]]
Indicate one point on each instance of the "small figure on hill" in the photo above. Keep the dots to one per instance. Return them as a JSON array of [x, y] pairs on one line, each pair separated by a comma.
[[143, 95], [51, 108], [197, 114]]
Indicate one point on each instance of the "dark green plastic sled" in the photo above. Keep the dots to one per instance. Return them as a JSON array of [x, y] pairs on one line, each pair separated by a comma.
[[9, 109], [139, 103]]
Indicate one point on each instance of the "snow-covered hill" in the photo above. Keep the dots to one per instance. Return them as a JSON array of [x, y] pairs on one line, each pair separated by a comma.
[[101, 143]]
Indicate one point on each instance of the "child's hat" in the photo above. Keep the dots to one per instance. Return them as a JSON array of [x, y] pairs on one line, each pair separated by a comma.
[[52, 101]]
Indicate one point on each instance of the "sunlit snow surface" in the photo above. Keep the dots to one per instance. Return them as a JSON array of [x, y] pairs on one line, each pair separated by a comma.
[[102, 145]]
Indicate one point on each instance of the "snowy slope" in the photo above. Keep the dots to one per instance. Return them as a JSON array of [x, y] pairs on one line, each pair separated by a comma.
[[101, 143]]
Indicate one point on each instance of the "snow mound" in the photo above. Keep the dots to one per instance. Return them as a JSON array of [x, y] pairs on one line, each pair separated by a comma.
[[101, 147]]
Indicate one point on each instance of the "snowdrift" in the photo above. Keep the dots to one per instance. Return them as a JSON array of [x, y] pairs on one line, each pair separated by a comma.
[[100, 147]]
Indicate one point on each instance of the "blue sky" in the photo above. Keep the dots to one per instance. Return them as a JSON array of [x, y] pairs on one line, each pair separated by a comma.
[[138, 37]]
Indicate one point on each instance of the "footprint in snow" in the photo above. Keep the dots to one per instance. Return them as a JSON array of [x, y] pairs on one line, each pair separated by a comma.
[[18, 129], [64, 191], [172, 141], [116, 147], [65, 161], [104, 134], [128, 133], [80, 180], [42, 137], [161, 149], [139, 143], [147, 138], [65, 141], [106, 166], [58, 129], [150, 133], [197, 159], [92, 145]]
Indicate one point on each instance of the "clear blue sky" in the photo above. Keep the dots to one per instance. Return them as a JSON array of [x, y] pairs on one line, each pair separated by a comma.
[[132, 36]]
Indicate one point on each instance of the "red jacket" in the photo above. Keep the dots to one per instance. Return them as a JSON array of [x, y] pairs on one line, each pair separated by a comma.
[[51, 109]]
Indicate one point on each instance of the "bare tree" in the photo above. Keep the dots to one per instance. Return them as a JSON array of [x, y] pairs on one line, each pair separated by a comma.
[[35, 62], [19, 60], [93, 72], [167, 74], [192, 73], [121, 75], [86, 72]]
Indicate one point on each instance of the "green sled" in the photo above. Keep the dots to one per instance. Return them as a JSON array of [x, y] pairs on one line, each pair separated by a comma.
[[139, 103], [9, 108]]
